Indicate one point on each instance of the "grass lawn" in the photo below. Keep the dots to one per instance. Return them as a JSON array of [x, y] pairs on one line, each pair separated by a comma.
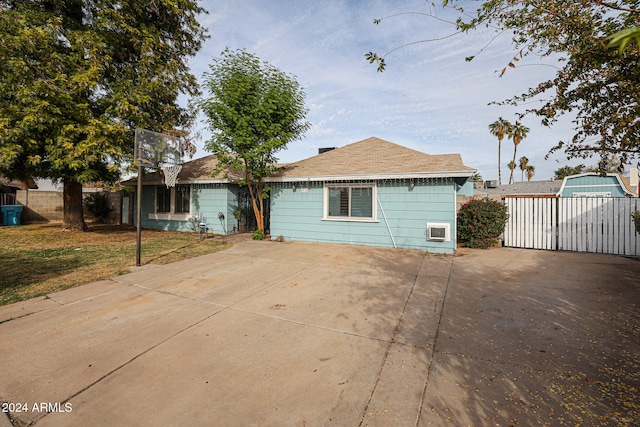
[[36, 260]]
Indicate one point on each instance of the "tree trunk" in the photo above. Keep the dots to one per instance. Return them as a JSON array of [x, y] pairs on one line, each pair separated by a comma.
[[515, 148], [256, 210], [73, 212], [499, 163]]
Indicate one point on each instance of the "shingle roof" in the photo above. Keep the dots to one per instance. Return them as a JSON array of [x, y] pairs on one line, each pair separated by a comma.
[[374, 157], [367, 159], [21, 185], [529, 188]]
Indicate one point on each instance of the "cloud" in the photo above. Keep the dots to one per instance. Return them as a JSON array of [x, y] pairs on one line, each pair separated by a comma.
[[428, 99]]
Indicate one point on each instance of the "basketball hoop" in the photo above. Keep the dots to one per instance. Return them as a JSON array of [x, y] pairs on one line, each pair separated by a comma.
[[171, 174], [155, 150]]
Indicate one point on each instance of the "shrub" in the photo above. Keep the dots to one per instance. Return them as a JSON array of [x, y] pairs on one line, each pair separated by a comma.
[[481, 222], [257, 234], [98, 205], [636, 220]]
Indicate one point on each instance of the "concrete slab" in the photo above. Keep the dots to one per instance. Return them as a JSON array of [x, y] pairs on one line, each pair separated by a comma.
[[25, 308], [398, 394], [231, 370], [464, 391], [338, 299], [289, 333], [89, 291], [52, 355]]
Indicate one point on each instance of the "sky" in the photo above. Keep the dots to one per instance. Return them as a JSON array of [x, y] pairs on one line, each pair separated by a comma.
[[428, 99]]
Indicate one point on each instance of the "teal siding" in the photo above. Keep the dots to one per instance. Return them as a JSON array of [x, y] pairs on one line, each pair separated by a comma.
[[466, 189], [592, 184], [207, 200], [297, 215]]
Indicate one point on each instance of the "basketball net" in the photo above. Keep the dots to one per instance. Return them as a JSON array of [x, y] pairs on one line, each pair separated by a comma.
[[171, 174]]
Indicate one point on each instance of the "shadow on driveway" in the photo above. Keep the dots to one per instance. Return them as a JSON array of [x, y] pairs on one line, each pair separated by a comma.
[[310, 334]]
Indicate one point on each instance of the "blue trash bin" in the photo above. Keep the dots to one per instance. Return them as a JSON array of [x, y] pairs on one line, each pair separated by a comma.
[[11, 214]]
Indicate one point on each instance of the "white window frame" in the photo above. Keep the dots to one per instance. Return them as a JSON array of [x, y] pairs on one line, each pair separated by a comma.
[[171, 215], [447, 231], [591, 194], [374, 197]]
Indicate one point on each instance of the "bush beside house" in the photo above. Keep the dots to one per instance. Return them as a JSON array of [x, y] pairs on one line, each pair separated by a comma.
[[481, 223]]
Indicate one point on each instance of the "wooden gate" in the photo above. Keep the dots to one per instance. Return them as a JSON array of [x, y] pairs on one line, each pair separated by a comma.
[[583, 224]]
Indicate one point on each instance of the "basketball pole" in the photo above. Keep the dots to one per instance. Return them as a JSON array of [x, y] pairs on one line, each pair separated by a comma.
[[138, 199], [139, 214]]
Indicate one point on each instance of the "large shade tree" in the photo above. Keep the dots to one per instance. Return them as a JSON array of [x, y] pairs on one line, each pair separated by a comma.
[[76, 78], [253, 111], [598, 78]]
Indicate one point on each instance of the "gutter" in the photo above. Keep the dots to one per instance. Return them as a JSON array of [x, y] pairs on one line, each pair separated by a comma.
[[373, 177]]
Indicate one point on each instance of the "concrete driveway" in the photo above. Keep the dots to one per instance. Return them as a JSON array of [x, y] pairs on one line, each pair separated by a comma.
[[298, 334]]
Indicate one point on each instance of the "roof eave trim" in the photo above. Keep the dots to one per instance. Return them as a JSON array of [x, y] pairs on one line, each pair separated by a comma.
[[373, 177], [195, 181]]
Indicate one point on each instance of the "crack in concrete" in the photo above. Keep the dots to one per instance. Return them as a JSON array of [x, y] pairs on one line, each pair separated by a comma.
[[435, 343], [393, 341]]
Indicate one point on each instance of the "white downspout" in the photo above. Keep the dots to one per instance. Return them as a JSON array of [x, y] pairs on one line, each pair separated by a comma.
[[385, 221]]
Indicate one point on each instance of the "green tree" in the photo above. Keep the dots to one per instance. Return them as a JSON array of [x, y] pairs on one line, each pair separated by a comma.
[[517, 133], [512, 166], [531, 171], [567, 170], [524, 161], [596, 83], [77, 77], [476, 177], [253, 111], [499, 129]]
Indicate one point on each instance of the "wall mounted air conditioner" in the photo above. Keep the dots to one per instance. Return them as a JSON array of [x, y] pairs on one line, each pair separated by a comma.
[[440, 232]]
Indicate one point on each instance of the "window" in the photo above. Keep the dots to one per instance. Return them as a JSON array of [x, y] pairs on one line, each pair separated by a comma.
[[172, 203], [592, 194], [183, 199], [350, 202], [163, 199]]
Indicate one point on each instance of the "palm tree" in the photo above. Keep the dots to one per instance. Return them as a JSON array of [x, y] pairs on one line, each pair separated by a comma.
[[531, 170], [500, 128], [511, 165], [517, 133], [524, 161]]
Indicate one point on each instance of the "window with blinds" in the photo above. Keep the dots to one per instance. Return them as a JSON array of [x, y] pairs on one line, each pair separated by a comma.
[[350, 201]]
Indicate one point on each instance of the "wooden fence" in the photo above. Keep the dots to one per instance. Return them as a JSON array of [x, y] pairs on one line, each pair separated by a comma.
[[583, 224]]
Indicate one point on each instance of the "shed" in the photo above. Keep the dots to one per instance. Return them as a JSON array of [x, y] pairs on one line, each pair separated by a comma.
[[593, 184]]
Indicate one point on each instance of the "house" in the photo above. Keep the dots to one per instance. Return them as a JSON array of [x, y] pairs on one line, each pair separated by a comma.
[[371, 192], [197, 194]]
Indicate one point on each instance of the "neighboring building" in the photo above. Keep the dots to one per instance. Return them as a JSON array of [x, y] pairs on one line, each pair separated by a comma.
[[594, 185], [521, 189], [583, 185], [372, 192], [9, 189]]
